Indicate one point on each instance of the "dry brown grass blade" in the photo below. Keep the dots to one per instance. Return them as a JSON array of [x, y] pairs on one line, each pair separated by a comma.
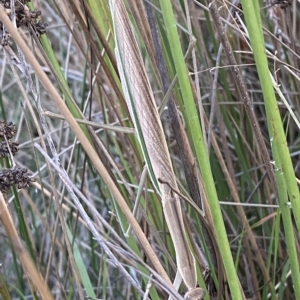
[[95, 47], [135, 80], [140, 17], [23, 255], [54, 95]]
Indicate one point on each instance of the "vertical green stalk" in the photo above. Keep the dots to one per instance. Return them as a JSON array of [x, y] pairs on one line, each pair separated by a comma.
[[285, 177], [199, 146]]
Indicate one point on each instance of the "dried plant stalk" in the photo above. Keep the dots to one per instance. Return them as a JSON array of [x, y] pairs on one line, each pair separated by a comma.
[[28, 265], [145, 115]]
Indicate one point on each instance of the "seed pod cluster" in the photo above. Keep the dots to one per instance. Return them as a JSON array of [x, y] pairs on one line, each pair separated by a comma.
[[7, 129], [23, 17], [5, 146], [16, 175]]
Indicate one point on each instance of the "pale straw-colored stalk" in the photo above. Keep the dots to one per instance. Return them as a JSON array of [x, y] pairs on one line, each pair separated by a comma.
[[144, 113], [27, 263]]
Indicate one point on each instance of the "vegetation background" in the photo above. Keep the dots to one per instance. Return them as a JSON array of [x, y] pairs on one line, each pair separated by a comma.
[[225, 79]]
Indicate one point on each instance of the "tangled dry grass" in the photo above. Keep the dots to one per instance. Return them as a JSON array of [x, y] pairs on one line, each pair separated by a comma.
[[89, 174]]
